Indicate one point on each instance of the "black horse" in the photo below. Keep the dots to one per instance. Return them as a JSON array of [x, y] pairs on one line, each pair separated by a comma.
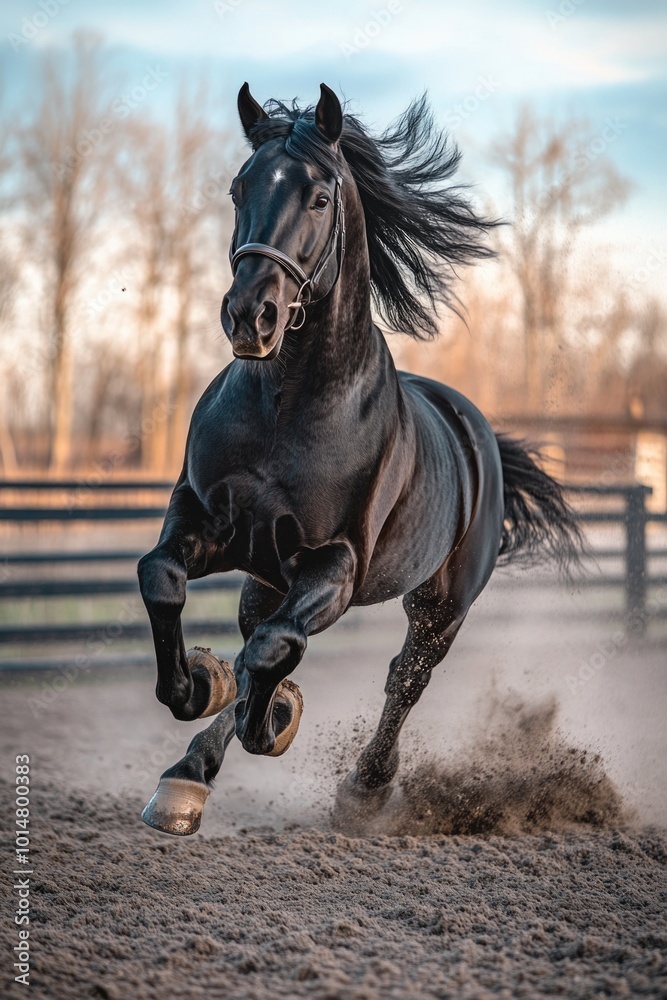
[[316, 468]]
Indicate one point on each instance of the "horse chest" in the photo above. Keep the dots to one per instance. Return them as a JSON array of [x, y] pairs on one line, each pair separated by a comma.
[[279, 485], [247, 466], [268, 509]]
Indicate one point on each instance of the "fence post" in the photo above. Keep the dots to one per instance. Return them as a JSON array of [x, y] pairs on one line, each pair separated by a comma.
[[635, 556]]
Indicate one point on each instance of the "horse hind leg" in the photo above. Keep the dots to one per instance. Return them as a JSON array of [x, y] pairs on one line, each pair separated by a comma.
[[433, 622], [436, 611]]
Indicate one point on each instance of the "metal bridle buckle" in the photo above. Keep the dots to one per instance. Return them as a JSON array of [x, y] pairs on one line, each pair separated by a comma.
[[299, 304]]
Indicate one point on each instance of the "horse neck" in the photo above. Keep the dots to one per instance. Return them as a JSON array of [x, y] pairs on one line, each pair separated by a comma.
[[338, 342]]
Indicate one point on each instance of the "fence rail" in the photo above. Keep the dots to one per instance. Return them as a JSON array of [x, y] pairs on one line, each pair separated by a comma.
[[71, 502], [633, 516], [92, 588]]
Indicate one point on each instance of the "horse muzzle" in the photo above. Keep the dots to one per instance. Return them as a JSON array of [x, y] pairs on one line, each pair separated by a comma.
[[254, 328], [248, 353]]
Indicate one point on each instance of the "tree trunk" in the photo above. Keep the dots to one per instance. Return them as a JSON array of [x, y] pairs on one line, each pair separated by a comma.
[[533, 366], [61, 402], [180, 398], [7, 451]]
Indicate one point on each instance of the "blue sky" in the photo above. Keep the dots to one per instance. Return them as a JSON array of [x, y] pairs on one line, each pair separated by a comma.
[[598, 58]]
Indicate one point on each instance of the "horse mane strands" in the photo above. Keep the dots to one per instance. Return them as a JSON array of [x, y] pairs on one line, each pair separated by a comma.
[[418, 227]]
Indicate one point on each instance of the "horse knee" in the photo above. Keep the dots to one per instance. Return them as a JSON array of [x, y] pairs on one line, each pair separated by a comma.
[[274, 650], [162, 582]]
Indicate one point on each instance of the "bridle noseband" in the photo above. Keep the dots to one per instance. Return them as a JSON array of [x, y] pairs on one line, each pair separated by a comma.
[[304, 283]]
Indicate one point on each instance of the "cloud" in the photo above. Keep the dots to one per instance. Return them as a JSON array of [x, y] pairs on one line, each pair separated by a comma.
[[591, 44]]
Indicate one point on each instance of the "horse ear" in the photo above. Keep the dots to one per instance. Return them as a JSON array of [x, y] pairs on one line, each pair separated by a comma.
[[329, 114], [250, 112]]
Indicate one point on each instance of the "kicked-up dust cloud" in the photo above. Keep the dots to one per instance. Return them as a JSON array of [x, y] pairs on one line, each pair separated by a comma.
[[518, 774]]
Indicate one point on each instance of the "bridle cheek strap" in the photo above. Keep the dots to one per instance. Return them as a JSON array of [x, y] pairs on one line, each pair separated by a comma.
[[304, 283]]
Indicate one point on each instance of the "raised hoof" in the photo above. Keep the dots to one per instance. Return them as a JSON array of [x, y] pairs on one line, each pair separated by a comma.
[[176, 806], [223, 681], [356, 806], [288, 699]]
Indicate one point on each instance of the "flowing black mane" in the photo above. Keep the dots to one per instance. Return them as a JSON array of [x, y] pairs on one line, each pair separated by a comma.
[[417, 229]]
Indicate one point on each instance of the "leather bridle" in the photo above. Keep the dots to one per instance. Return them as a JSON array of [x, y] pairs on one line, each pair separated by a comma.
[[304, 283]]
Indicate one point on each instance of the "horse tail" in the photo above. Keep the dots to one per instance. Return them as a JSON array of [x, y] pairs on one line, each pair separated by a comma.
[[539, 523]]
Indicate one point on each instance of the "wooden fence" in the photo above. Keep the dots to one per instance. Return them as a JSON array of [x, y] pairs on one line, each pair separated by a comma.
[[93, 503]]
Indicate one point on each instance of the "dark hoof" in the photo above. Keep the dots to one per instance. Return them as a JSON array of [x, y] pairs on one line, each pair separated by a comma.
[[176, 806], [223, 681], [356, 805], [288, 700]]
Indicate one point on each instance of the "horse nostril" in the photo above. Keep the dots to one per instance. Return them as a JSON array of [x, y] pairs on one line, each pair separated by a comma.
[[267, 319], [227, 318]]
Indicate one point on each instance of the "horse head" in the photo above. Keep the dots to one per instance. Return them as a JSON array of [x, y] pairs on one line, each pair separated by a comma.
[[289, 237]]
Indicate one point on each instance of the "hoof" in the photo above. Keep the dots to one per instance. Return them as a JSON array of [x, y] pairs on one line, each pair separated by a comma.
[[288, 699], [223, 681], [176, 806], [357, 805]]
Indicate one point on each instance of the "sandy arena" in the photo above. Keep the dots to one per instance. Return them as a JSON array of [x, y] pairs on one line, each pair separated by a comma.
[[521, 856]]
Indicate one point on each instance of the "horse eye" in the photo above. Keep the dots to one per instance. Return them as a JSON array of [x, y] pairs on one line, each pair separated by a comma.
[[321, 202]]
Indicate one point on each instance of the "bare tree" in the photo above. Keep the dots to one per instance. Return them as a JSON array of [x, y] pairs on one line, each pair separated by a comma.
[[177, 178], [647, 378], [65, 166], [9, 277], [203, 170], [562, 181], [10, 283], [146, 185]]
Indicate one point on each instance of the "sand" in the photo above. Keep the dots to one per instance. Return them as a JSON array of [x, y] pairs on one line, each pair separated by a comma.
[[513, 869], [120, 911], [522, 854]]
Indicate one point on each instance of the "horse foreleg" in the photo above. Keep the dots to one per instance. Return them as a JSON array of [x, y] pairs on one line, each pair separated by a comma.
[[178, 803], [191, 687], [318, 596], [433, 624]]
